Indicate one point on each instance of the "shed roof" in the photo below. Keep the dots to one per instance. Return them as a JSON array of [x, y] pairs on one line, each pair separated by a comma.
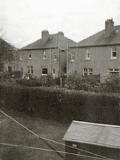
[[100, 39], [53, 41], [93, 133]]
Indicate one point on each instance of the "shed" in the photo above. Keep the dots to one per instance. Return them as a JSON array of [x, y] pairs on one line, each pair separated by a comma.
[[101, 139]]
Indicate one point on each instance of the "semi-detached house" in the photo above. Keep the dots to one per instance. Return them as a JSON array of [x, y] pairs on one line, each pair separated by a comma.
[[98, 54], [45, 56]]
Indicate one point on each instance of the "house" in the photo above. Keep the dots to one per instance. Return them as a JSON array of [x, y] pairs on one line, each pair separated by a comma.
[[8, 57], [46, 56], [100, 139], [98, 54]]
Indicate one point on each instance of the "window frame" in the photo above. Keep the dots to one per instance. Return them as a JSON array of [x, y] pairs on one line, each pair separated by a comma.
[[30, 69], [72, 57], [55, 57], [87, 71], [87, 57], [113, 50], [114, 70], [46, 72], [30, 57], [44, 57]]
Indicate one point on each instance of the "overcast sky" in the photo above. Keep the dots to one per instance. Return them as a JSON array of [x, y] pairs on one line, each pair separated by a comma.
[[21, 21]]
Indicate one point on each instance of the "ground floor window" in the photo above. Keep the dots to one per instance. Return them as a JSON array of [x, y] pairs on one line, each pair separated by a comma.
[[87, 71], [9, 69], [114, 71], [30, 69], [44, 71], [53, 70]]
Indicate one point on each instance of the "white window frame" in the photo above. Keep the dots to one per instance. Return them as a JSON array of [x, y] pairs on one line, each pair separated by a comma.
[[87, 71], [44, 55], [90, 71], [30, 57], [114, 70], [55, 57], [42, 71], [87, 55], [30, 70], [72, 57], [20, 58], [113, 50]]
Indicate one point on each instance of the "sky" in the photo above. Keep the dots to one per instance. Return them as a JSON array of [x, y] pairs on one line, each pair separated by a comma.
[[21, 21]]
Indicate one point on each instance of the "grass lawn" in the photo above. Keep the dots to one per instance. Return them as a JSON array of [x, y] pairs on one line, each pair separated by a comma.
[[10, 132]]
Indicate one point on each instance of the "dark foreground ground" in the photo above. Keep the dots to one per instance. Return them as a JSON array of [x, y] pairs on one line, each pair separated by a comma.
[[12, 133]]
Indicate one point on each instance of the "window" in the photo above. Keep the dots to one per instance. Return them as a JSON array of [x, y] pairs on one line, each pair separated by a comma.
[[113, 53], [72, 57], [30, 56], [87, 55], [44, 55], [44, 71], [114, 71], [53, 70], [9, 69], [30, 69], [90, 71], [87, 71], [55, 57], [20, 58], [74, 145]]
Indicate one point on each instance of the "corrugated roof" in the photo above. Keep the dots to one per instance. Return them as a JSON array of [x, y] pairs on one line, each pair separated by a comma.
[[93, 133], [100, 39], [54, 40]]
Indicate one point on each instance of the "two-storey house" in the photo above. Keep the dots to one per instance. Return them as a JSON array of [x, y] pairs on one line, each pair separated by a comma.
[[45, 56], [98, 54]]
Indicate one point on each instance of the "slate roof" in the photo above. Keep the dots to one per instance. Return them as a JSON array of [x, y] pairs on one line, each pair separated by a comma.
[[7, 44], [93, 133], [100, 39], [54, 41]]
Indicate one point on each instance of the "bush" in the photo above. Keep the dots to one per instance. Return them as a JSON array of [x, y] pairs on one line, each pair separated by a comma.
[[87, 83], [112, 84], [41, 81]]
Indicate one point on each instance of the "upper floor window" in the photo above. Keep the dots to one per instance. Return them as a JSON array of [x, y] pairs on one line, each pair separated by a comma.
[[113, 53], [87, 55], [30, 56], [44, 55], [72, 57]]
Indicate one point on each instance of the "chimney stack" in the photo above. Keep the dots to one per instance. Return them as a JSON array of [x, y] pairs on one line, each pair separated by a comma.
[[45, 35], [109, 27]]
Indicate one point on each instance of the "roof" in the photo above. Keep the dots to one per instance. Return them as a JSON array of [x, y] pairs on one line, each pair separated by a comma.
[[54, 41], [93, 133], [100, 39], [7, 44]]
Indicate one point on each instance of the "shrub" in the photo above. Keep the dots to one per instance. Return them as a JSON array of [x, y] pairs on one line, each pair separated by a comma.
[[112, 84], [87, 83], [41, 81]]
